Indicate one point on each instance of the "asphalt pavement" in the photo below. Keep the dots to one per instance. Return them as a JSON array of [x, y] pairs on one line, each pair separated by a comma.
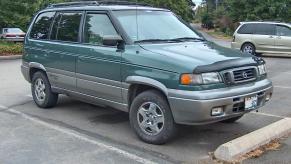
[[76, 132]]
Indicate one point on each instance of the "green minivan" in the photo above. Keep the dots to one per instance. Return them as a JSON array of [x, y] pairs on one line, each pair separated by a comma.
[[142, 60]]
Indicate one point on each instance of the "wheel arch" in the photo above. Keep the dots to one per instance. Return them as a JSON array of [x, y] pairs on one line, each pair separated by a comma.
[[35, 67], [248, 42], [138, 84]]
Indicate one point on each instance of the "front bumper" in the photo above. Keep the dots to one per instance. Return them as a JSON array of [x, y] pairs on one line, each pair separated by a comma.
[[194, 107]]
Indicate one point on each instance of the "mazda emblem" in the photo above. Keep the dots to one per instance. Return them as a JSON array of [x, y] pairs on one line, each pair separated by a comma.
[[245, 75]]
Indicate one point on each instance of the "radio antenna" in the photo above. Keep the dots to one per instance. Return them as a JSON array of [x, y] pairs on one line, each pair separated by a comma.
[[136, 19]]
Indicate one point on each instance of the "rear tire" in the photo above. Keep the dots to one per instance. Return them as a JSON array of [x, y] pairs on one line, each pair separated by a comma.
[[232, 120], [249, 49], [151, 118], [41, 91]]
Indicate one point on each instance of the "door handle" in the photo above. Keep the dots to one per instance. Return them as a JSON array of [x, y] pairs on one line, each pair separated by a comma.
[[279, 37], [271, 37]]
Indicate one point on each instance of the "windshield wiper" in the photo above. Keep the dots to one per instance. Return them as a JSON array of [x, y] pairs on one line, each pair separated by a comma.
[[189, 39], [157, 40]]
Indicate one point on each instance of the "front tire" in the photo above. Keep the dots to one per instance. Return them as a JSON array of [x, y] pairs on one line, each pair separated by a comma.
[[41, 91], [151, 118]]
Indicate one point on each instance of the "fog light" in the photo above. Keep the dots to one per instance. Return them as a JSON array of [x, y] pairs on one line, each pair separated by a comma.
[[268, 97], [217, 111]]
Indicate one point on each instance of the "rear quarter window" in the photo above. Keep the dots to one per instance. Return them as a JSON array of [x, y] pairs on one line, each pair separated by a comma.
[[246, 29], [66, 27], [41, 26]]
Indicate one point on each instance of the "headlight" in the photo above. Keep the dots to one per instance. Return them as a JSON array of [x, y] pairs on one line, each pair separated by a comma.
[[204, 78], [262, 69]]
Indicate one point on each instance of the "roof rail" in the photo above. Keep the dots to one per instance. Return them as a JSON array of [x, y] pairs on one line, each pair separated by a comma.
[[127, 3], [97, 3], [69, 4]]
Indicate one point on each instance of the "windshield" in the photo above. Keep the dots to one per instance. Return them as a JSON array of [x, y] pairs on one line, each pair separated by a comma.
[[12, 30], [153, 25]]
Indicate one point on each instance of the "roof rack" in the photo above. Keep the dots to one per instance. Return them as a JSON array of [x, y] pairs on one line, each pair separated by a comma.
[[96, 3], [127, 3], [69, 4]]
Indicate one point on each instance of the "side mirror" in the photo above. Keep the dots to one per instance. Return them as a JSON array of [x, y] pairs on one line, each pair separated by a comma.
[[111, 40]]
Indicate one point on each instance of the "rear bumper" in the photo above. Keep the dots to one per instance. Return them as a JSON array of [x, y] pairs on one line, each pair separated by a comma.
[[236, 45], [14, 39], [25, 72], [194, 107]]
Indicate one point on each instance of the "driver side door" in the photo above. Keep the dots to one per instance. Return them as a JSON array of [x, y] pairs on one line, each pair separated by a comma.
[[98, 65]]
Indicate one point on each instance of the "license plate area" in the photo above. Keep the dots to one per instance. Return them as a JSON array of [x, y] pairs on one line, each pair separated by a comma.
[[251, 102]]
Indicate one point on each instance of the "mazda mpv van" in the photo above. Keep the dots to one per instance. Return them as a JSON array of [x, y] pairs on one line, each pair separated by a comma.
[[263, 37], [142, 60]]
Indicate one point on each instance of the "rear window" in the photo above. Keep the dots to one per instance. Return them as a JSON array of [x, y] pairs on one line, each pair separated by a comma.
[[283, 30], [265, 29], [41, 27], [247, 29], [66, 27]]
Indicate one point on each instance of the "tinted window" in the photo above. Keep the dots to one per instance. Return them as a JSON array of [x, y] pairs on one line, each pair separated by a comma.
[[96, 27], [265, 29], [283, 31], [41, 27], [246, 29], [66, 27]]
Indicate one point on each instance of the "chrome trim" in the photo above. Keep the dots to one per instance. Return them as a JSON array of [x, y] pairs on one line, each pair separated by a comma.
[[232, 80]]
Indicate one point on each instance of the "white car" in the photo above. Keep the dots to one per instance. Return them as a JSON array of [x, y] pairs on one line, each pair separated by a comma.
[[12, 34]]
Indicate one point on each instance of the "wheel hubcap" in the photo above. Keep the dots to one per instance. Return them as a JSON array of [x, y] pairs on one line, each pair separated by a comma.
[[39, 90], [248, 49], [150, 118]]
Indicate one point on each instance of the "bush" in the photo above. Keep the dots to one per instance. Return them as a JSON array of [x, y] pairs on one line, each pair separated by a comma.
[[10, 48], [207, 21]]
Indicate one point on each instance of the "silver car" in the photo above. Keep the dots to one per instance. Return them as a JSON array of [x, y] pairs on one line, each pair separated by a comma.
[[263, 37], [12, 34]]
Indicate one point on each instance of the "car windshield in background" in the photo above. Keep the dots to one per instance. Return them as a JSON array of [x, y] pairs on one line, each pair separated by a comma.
[[154, 26], [12, 30]]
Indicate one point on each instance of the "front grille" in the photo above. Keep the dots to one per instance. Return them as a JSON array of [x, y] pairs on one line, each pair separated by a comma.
[[243, 75], [240, 75]]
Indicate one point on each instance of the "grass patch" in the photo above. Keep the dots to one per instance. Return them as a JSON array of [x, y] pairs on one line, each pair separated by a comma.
[[218, 34], [10, 48]]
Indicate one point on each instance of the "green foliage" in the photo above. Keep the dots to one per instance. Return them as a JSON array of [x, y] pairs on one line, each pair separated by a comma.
[[183, 8], [229, 13], [10, 48], [18, 13]]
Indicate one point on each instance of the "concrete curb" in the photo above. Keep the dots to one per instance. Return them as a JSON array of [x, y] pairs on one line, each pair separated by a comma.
[[13, 57], [234, 149]]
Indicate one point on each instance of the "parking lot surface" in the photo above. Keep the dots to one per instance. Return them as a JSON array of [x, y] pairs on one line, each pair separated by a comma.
[[78, 132]]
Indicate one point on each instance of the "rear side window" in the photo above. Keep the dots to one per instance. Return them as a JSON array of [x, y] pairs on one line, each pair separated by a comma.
[[41, 27], [66, 27], [265, 29], [283, 30], [96, 27], [246, 29]]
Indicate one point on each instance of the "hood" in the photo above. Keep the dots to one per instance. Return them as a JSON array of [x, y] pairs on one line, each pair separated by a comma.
[[201, 56]]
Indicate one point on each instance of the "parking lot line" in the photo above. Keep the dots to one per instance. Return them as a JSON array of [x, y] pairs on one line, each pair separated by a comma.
[[284, 87], [82, 137], [266, 114]]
